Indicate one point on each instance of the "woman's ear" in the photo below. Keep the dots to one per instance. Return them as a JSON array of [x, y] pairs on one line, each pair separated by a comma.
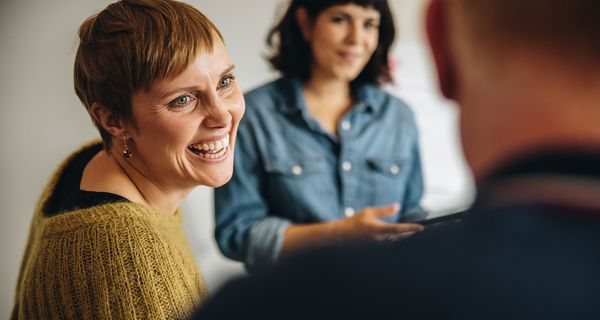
[[304, 22], [437, 25], [108, 120]]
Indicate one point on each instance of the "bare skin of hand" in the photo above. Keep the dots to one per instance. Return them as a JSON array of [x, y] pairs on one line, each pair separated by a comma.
[[365, 226]]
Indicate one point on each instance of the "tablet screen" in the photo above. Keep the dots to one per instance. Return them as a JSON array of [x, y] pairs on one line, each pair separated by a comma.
[[443, 220]]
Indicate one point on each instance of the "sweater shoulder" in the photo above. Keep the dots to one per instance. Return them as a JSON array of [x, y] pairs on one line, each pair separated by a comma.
[[113, 218], [117, 260]]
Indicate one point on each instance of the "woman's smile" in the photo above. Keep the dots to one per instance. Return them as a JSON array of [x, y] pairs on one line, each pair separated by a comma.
[[215, 150], [350, 57]]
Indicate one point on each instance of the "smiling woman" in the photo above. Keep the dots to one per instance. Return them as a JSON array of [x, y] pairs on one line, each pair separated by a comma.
[[106, 238], [326, 155]]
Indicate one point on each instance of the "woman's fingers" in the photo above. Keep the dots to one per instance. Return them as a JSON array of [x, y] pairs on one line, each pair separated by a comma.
[[381, 211], [381, 227], [367, 225], [395, 231]]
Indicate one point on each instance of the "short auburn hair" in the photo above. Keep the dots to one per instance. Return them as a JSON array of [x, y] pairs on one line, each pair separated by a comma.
[[132, 43], [292, 55], [555, 26]]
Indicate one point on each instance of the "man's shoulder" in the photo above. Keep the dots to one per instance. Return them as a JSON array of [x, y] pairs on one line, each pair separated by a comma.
[[470, 270]]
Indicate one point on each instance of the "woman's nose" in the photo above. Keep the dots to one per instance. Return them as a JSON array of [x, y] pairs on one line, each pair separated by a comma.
[[354, 34], [218, 116]]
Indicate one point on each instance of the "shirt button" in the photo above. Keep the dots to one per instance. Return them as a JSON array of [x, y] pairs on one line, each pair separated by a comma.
[[297, 170], [394, 169], [346, 125], [349, 212], [347, 166]]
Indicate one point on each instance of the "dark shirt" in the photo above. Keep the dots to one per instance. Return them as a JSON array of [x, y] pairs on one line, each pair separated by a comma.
[[528, 249], [68, 196]]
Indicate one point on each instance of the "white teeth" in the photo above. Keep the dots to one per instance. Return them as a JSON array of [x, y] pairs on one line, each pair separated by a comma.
[[213, 155], [218, 148]]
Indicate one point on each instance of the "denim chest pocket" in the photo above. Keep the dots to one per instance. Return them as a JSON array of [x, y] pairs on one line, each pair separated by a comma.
[[388, 180], [296, 184]]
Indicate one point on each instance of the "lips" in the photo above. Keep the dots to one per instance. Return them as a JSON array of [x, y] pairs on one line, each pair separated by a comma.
[[349, 56], [210, 150]]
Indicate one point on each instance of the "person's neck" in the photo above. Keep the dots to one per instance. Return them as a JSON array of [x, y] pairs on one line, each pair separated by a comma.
[[327, 99], [328, 89], [534, 104], [113, 174]]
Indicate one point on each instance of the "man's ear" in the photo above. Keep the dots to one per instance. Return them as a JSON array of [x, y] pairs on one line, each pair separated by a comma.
[[304, 22], [437, 26], [108, 120]]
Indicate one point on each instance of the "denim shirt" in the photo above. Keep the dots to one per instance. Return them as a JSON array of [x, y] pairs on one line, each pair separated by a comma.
[[289, 170]]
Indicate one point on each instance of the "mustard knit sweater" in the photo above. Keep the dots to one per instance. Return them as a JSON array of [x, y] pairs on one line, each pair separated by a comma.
[[114, 261]]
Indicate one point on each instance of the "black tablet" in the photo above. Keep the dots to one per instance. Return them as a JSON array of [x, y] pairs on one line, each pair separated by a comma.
[[443, 220]]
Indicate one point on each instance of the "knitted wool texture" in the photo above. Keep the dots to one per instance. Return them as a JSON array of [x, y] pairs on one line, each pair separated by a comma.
[[114, 261]]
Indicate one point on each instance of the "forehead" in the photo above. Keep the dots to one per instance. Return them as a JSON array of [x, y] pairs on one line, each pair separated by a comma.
[[201, 73], [354, 10]]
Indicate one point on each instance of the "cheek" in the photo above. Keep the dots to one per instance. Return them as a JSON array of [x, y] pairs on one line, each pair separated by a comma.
[[238, 107], [372, 42], [324, 41], [174, 133]]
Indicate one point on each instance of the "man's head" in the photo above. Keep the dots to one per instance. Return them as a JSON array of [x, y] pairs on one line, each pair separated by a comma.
[[525, 73]]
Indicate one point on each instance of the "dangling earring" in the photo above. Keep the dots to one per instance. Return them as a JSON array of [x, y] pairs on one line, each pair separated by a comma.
[[126, 152]]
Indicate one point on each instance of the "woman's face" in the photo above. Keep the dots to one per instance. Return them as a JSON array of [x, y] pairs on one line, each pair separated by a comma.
[[184, 127], [343, 39]]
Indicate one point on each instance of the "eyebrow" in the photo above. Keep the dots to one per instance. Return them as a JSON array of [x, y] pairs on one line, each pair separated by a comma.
[[228, 70], [194, 88]]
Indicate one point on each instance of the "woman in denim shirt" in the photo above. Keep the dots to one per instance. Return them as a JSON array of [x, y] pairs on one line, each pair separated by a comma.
[[324, 155]]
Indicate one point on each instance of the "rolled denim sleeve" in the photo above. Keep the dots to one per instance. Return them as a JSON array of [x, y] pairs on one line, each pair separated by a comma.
[[244, 230], [265, 241]]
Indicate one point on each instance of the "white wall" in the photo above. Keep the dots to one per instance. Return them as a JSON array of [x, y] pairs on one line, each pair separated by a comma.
[[42, 120]]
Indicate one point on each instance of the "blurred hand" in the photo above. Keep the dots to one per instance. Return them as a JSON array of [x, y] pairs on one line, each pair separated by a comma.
[[365, 226]]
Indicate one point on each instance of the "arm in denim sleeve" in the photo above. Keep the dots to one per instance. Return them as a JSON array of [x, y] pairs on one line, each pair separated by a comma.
[[412, 210], [244, 230]]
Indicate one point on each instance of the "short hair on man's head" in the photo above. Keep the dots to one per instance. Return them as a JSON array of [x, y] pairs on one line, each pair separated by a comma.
[[292, 55], [132, 43], [555, 26]]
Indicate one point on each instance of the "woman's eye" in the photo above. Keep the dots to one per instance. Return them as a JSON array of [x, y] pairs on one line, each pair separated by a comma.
[[338, 20], [182, 101], [226, 81], [371, 25]]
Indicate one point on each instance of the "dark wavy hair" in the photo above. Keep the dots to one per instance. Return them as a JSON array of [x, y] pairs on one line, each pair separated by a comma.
[[291, 53]]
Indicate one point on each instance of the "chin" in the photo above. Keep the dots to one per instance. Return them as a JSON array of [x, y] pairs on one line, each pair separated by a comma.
[[347, 76], [215, 182]]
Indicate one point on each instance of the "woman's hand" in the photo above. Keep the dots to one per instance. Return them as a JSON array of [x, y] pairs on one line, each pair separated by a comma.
[[365, 226]]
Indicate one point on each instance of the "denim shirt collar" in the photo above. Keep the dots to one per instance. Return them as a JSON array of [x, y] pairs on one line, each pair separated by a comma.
[[367, 98], [292, 95]]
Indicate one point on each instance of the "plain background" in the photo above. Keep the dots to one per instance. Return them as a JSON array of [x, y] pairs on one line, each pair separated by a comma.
[[42, 121]]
